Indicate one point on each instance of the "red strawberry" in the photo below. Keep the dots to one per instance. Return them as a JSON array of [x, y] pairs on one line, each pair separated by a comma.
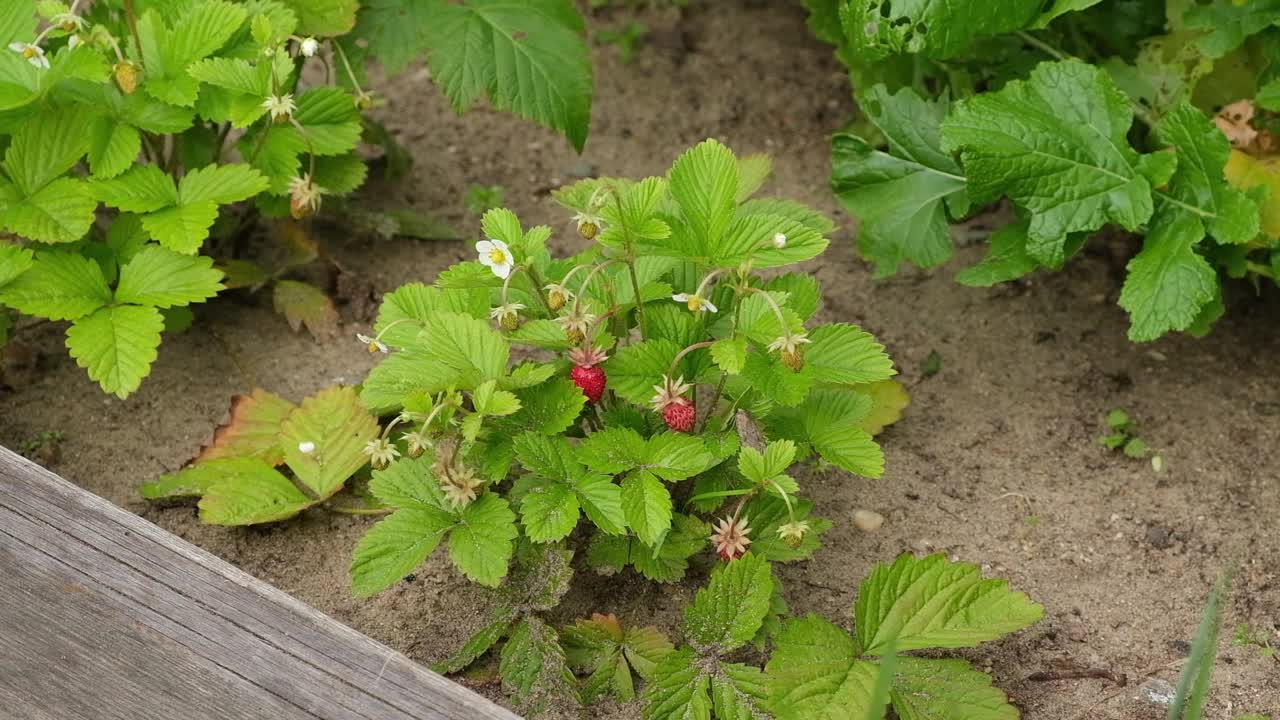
[[591, 380], [680, 416], [586, 374]]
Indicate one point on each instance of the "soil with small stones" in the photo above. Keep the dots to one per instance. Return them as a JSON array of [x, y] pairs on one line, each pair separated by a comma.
[[996, 461]]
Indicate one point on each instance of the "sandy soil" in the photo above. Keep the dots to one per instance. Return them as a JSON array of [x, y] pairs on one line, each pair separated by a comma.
[[996, 462]]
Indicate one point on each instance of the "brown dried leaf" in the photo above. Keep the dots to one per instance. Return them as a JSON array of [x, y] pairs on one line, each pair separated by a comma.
[[1236, 122], [252, 430], [303, 304]]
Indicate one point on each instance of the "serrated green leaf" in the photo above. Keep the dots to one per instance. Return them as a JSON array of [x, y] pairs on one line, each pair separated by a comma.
[[341, 174], [929, 602], [253, 430], [395, 30], [646, 503], [935, 689], [1056, 144], [324, 17], [46, 145], [549, 408], [330, 121], [767, 513], [775, 382], [804, 296], [482, 543], [534, 670], [549, 510], [182, 228], [668, 563], [846, 355], [57, 286], [60, 212], [1230, 215], [254, 493], [1006, 259], [222, 184], [704, 183], [479, 643], [727, 613], [116, 345], [14, 261], [730, 354], [528, 58], [17, 22], [145, 188], [679, 689], [601, 500], [936, 28], [163, 278], [1168, 282], [403, 312], [636, 368], [900, 196], [467, 345], [113, 147], [814, 673], [395, 546], [409, 483], [1227, 23], [737, 692], [338, 425], [167, 52]]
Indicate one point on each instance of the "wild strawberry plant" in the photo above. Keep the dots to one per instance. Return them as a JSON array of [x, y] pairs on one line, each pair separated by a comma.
[[1035, 103], [133, 130], [815, 668]]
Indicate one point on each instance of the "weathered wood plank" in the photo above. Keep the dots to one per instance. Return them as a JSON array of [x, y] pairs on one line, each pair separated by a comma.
[[104, 615]]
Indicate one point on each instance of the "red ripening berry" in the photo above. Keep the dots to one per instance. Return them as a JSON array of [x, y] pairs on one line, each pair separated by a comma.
[[591, 379], [680, 416]]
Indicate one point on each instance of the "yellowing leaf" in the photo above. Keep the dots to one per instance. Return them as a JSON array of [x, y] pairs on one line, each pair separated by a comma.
[[888, 399], [1247, 172], [252, 430]]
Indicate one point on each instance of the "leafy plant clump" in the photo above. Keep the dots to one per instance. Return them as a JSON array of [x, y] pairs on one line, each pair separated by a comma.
[[815, 668], [643, 400], [133, 132], [1035, 103]]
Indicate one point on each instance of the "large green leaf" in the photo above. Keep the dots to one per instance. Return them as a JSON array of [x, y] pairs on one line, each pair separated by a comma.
[[1227, 23], [846, 355], [482, 543], [324, 17], [704, 183], [338, 426], [1056, 144], [1198, 185], [117, 345], [57, 286], [679, 689], [929, 602], [14, 260], [528, 57], [1168, 281], [940, 29], [901, 196], [251, 492], [646, 503], [929, 689], [168, 50], [163, 278], [815, 673], [534, 670], [728, 612], [395, 546]]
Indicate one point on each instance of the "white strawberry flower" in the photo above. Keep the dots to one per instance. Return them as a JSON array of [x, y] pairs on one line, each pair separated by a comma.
[[33, 54], [696, 302], [496, 255], [373, 343], [281, 107], [309, 47]]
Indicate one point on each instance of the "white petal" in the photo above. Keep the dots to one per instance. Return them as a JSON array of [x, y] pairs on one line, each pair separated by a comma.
[[486, 260], [706, 305], [40, 61], [501, 246], [682, 297], [484, 247], [17, 46], [502, 270]]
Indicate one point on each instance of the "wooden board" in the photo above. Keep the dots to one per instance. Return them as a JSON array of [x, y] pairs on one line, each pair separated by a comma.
[[104, 615]]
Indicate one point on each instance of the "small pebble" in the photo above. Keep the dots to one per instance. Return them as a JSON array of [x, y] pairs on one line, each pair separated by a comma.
[[867, 521], [1157, 692], [1159, 537]]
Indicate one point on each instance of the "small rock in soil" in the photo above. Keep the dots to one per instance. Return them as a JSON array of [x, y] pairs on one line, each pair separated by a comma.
[[867, 521], [1157, 692], [1159, 537]]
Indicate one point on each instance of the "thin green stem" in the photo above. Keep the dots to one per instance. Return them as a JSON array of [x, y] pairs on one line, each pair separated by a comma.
[[341, 510], [539, 290], [131, 17], [635, 288], [675, 361]]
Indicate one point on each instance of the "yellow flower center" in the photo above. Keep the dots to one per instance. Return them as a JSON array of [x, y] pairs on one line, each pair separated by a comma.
[[28, 53], [373, 347], [695, 303], [497, 257]]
